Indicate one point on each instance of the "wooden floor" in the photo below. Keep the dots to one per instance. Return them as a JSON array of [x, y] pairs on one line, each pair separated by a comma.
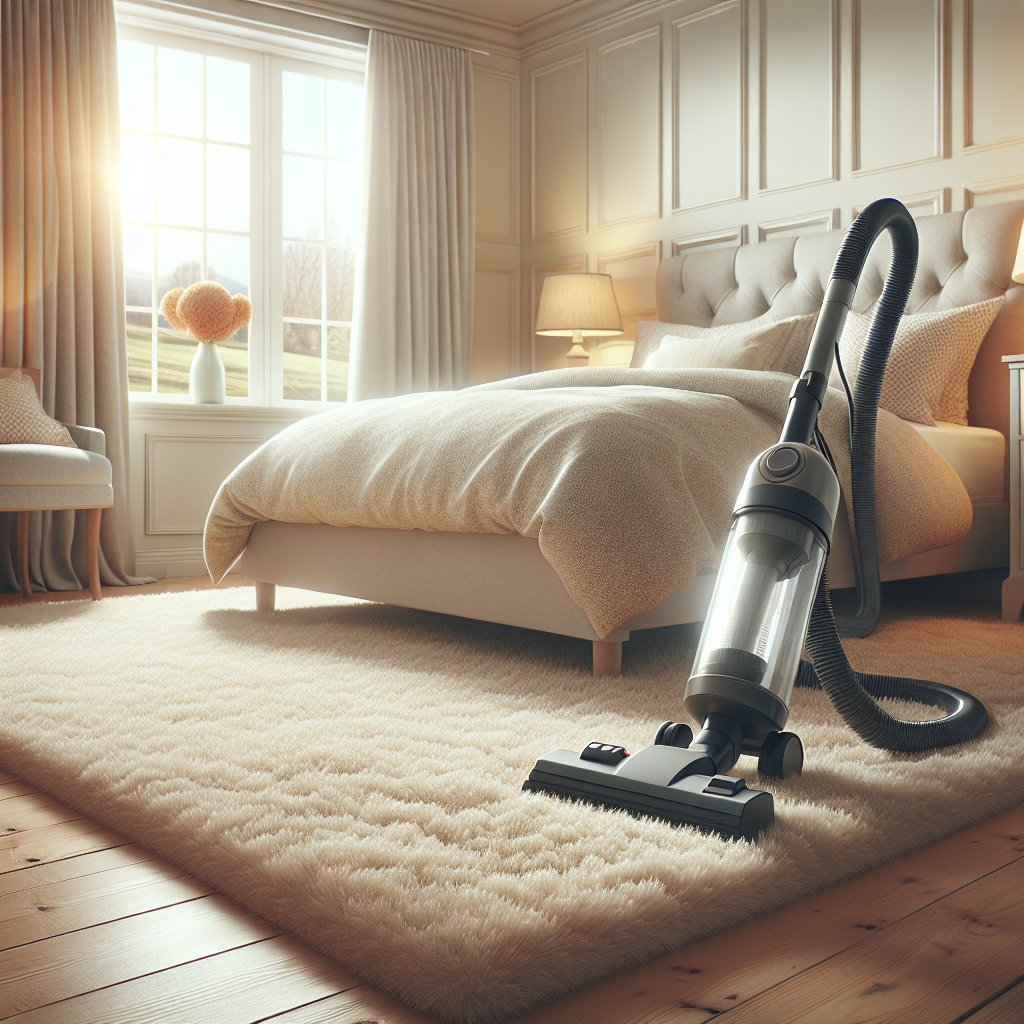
[[96, 929]]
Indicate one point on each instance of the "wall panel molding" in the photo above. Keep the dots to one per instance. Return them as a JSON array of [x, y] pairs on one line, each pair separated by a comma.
[[629, 150], [923, 204], [940, 79], [183, 473], [999, 98], [496, 360], [505, 161], [721, 128], [1003, 190], [575, 263], [552, 155], [831, 46], [803, 224], [710, 240]]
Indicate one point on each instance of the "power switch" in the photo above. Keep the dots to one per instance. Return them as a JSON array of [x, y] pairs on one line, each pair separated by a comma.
[[781, 463], [783, 460]]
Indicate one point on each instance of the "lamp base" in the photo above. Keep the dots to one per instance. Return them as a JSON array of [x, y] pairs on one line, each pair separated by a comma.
[[578, 355]]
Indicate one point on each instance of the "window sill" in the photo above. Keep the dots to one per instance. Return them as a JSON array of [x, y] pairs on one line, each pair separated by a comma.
[[227, 413]]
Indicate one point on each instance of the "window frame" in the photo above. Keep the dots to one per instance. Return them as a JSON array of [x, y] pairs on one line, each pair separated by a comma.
[[266, 375]]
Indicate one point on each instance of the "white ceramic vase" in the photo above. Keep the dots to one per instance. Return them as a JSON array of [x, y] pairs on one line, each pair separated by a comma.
[[206, 378]]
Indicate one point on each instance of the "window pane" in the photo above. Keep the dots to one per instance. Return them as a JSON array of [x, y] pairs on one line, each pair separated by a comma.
[[337, 363], [227, 100], [345, 120], [174, 353], [179, 98], [227, 261], [302, 107], [140, 351], [135, 81], [235, 354], [341, 269], [344, 201], [180, 182], [138, 265], [302, 361], [137, 177], [301, 294], [227, 187], [179, 259], [303, 197]]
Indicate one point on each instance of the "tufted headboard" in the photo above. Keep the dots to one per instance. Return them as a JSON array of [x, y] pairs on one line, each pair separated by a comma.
[[964, 258]]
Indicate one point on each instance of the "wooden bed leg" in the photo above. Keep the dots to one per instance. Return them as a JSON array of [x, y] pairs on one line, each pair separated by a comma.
[[265, 594], [93, 518], [607, 658], [23, 524]]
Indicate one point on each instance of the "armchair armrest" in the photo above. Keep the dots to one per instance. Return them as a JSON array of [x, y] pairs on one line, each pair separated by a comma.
[[90, 439]]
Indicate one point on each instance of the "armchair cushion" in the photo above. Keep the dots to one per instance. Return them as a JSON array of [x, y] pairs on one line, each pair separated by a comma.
[[38, 476], [22, 419]]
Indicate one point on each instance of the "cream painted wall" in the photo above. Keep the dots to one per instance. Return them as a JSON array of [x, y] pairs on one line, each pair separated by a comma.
[[698, 124]]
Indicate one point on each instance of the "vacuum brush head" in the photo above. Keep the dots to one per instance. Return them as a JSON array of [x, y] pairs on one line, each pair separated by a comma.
[[671, 783]]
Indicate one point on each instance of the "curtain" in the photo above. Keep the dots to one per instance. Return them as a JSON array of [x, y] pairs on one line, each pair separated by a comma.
[[414, 275], [62, 283]]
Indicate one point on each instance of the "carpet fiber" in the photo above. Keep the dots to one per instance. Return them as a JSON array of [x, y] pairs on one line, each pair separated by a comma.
[[352, 772]]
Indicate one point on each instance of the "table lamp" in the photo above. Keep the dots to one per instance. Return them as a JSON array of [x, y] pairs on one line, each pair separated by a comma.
[[574, 305]]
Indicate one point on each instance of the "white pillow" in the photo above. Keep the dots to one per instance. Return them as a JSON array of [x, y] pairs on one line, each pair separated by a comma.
[[930, 362], [761, 344]]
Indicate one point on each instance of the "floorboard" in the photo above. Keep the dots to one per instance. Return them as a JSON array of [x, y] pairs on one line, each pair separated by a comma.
[[704, 980]]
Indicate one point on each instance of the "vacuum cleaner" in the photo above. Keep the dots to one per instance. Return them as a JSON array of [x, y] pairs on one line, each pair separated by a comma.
[[771, 599]]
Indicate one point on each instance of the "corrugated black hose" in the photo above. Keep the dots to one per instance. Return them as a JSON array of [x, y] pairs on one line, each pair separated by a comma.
[[853, 692]]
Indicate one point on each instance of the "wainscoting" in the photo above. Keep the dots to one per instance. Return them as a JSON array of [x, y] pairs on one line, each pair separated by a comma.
[[180, 454], [699, 125]]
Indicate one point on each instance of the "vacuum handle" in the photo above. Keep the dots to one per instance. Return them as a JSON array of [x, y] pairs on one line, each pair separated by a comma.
[[808, 392]]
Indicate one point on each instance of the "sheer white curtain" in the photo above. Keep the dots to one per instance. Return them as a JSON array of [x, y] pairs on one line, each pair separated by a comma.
[[62, 282], [414, 278]]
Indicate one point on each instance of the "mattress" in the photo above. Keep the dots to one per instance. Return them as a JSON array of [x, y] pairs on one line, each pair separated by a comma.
[[977, 454]]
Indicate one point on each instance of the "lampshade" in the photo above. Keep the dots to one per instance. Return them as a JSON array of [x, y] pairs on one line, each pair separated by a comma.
[[578, 302], [1018, 266]]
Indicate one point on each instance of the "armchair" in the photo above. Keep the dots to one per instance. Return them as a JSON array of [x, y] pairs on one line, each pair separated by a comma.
[[41, 477]]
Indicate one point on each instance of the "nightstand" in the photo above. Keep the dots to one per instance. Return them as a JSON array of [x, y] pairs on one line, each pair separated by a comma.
[[1013, 586]]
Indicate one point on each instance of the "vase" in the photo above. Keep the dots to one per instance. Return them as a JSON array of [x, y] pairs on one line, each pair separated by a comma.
[[206, 378]]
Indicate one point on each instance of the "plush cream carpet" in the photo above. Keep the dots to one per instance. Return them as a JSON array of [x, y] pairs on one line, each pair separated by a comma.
[[352, 772]]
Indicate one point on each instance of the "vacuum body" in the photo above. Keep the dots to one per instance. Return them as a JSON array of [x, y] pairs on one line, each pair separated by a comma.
[[771, 599]]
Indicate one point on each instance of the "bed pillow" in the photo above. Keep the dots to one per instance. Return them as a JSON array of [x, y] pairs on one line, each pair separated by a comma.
[[762, 344], [22, 420], [649, 333], [931, 360]]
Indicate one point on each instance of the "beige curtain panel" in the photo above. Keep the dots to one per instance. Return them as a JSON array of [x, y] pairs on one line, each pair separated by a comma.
[[62, 281], [414, 279]]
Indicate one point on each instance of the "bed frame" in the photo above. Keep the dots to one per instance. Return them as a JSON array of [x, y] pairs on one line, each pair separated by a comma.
[[965, 258]]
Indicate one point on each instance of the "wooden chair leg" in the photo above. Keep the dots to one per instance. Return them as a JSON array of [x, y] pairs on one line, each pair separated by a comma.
[[265, 594], [607, 658], [23, 525], [92, 550]]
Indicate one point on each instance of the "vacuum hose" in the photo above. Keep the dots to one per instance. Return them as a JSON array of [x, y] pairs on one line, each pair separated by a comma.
[[851, 692]]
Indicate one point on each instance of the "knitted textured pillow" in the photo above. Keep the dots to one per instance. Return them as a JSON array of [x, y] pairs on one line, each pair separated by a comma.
[[761, 344], [22, 420], [930, 362]]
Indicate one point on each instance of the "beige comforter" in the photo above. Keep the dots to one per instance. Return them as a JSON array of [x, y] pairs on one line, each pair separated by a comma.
[[625, 477]]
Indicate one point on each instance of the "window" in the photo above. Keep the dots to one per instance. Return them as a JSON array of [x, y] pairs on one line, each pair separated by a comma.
[[244, 168]]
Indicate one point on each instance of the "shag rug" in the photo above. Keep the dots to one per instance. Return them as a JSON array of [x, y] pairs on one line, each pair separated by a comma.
[[352, 773]]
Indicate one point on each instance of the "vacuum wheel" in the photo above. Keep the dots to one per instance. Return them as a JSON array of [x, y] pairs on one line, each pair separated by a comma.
[[782, 756], [673, 734]]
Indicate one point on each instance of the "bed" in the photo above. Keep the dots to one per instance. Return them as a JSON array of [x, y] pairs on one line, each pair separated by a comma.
[[506, 578]]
